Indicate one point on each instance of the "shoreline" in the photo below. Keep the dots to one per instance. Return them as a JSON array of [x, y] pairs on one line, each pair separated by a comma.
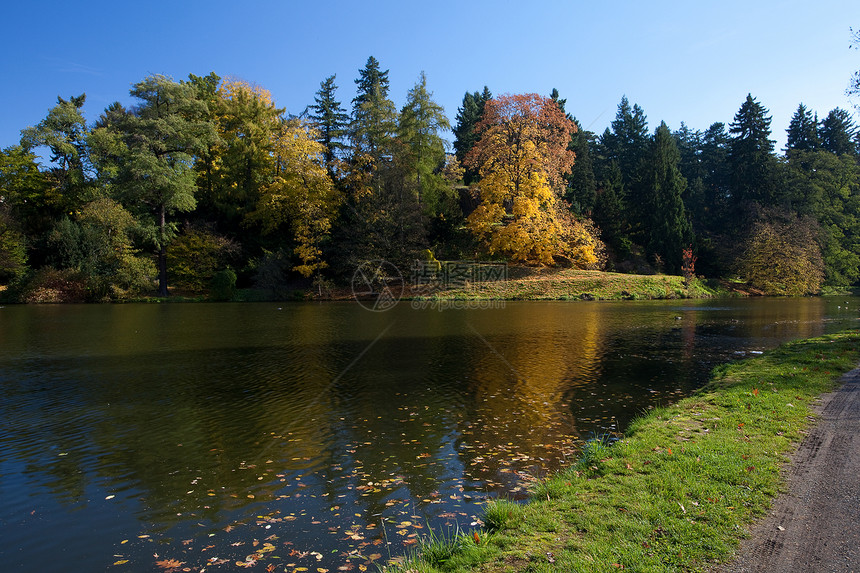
[[520, 284], [678, 491]]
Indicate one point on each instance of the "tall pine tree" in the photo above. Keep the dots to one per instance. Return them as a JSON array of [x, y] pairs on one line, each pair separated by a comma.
[[838, 133], [374, 116], [627, 143], [668, 230], [751, 159], [330, 120], [421, 121], [802, 131], [468, 115]]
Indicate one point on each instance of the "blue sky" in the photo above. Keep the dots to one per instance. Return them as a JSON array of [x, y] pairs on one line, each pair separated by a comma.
[[681, 61]]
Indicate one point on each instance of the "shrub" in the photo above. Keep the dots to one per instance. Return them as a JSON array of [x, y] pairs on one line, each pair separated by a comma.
[[223, 285], [194, 257], [782, 257], [49, 285]]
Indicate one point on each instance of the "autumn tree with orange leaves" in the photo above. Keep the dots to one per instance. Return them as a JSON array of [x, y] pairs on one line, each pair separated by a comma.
[[522, 156]]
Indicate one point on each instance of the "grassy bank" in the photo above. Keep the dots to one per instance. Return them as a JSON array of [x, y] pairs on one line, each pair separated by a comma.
[[543, 283], [566, 284], [676, 493]]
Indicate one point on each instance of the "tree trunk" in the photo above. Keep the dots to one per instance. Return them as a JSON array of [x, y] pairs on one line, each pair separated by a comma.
[[162, 255]]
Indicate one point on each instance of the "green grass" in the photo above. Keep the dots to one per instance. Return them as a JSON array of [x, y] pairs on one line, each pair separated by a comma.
[[572, 284], [677, 492]]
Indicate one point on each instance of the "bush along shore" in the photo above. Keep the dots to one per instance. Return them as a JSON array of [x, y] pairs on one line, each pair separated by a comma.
[[676, 493]]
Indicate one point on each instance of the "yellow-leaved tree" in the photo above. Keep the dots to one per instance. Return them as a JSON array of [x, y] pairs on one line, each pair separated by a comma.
[[300, 194], [522, 156], [239, 164]]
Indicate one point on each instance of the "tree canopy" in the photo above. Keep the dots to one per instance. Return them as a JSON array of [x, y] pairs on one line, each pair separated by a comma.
[[207, 184]]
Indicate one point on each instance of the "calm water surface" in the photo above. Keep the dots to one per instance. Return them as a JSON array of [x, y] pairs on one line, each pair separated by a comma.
[[326, 437]]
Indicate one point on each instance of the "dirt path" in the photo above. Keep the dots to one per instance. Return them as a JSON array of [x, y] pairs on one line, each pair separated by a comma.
[[815, 526]]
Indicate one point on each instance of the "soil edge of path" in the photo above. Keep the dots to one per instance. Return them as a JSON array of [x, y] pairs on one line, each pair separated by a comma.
[[815, 524]]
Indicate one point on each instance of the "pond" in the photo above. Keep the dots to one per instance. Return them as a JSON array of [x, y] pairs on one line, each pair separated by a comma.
[[325, 436]]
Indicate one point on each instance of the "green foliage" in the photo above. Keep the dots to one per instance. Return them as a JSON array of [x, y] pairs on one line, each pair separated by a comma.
[[753, 165], [374, 116], [838, 133], [609, 213], [271, 274], [581, 192], [803, 131], [465, 136], [196, 255], [242, 158], [421, 122], [64, 131], [330, 120], [30, 203], [13, 254], [97, 246], [827, 187], [662, 186], [223, 285], [627, 143], [436, 549], [156, 149]]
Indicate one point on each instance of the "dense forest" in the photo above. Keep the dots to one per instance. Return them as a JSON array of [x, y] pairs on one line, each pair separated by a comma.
[[206, 185]]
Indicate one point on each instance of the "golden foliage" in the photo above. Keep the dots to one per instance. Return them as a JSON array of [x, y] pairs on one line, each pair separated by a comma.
[[784, 258], [522, 157], [301, 193], [235, 89]]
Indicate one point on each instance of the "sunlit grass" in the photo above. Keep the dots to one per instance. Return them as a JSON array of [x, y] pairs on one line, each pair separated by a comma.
[[573, 284]]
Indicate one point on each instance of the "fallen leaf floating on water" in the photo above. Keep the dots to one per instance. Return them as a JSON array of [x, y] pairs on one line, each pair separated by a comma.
[[170, 563]]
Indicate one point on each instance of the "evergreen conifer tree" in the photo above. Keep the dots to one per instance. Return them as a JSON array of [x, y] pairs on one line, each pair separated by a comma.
[[374, 116], [802, 131], [468, 115], [668, 229], [751, 159], [330, 119], [838, 133]]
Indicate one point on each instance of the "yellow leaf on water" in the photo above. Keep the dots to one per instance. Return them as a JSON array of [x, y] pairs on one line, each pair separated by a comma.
[[121, 562]]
